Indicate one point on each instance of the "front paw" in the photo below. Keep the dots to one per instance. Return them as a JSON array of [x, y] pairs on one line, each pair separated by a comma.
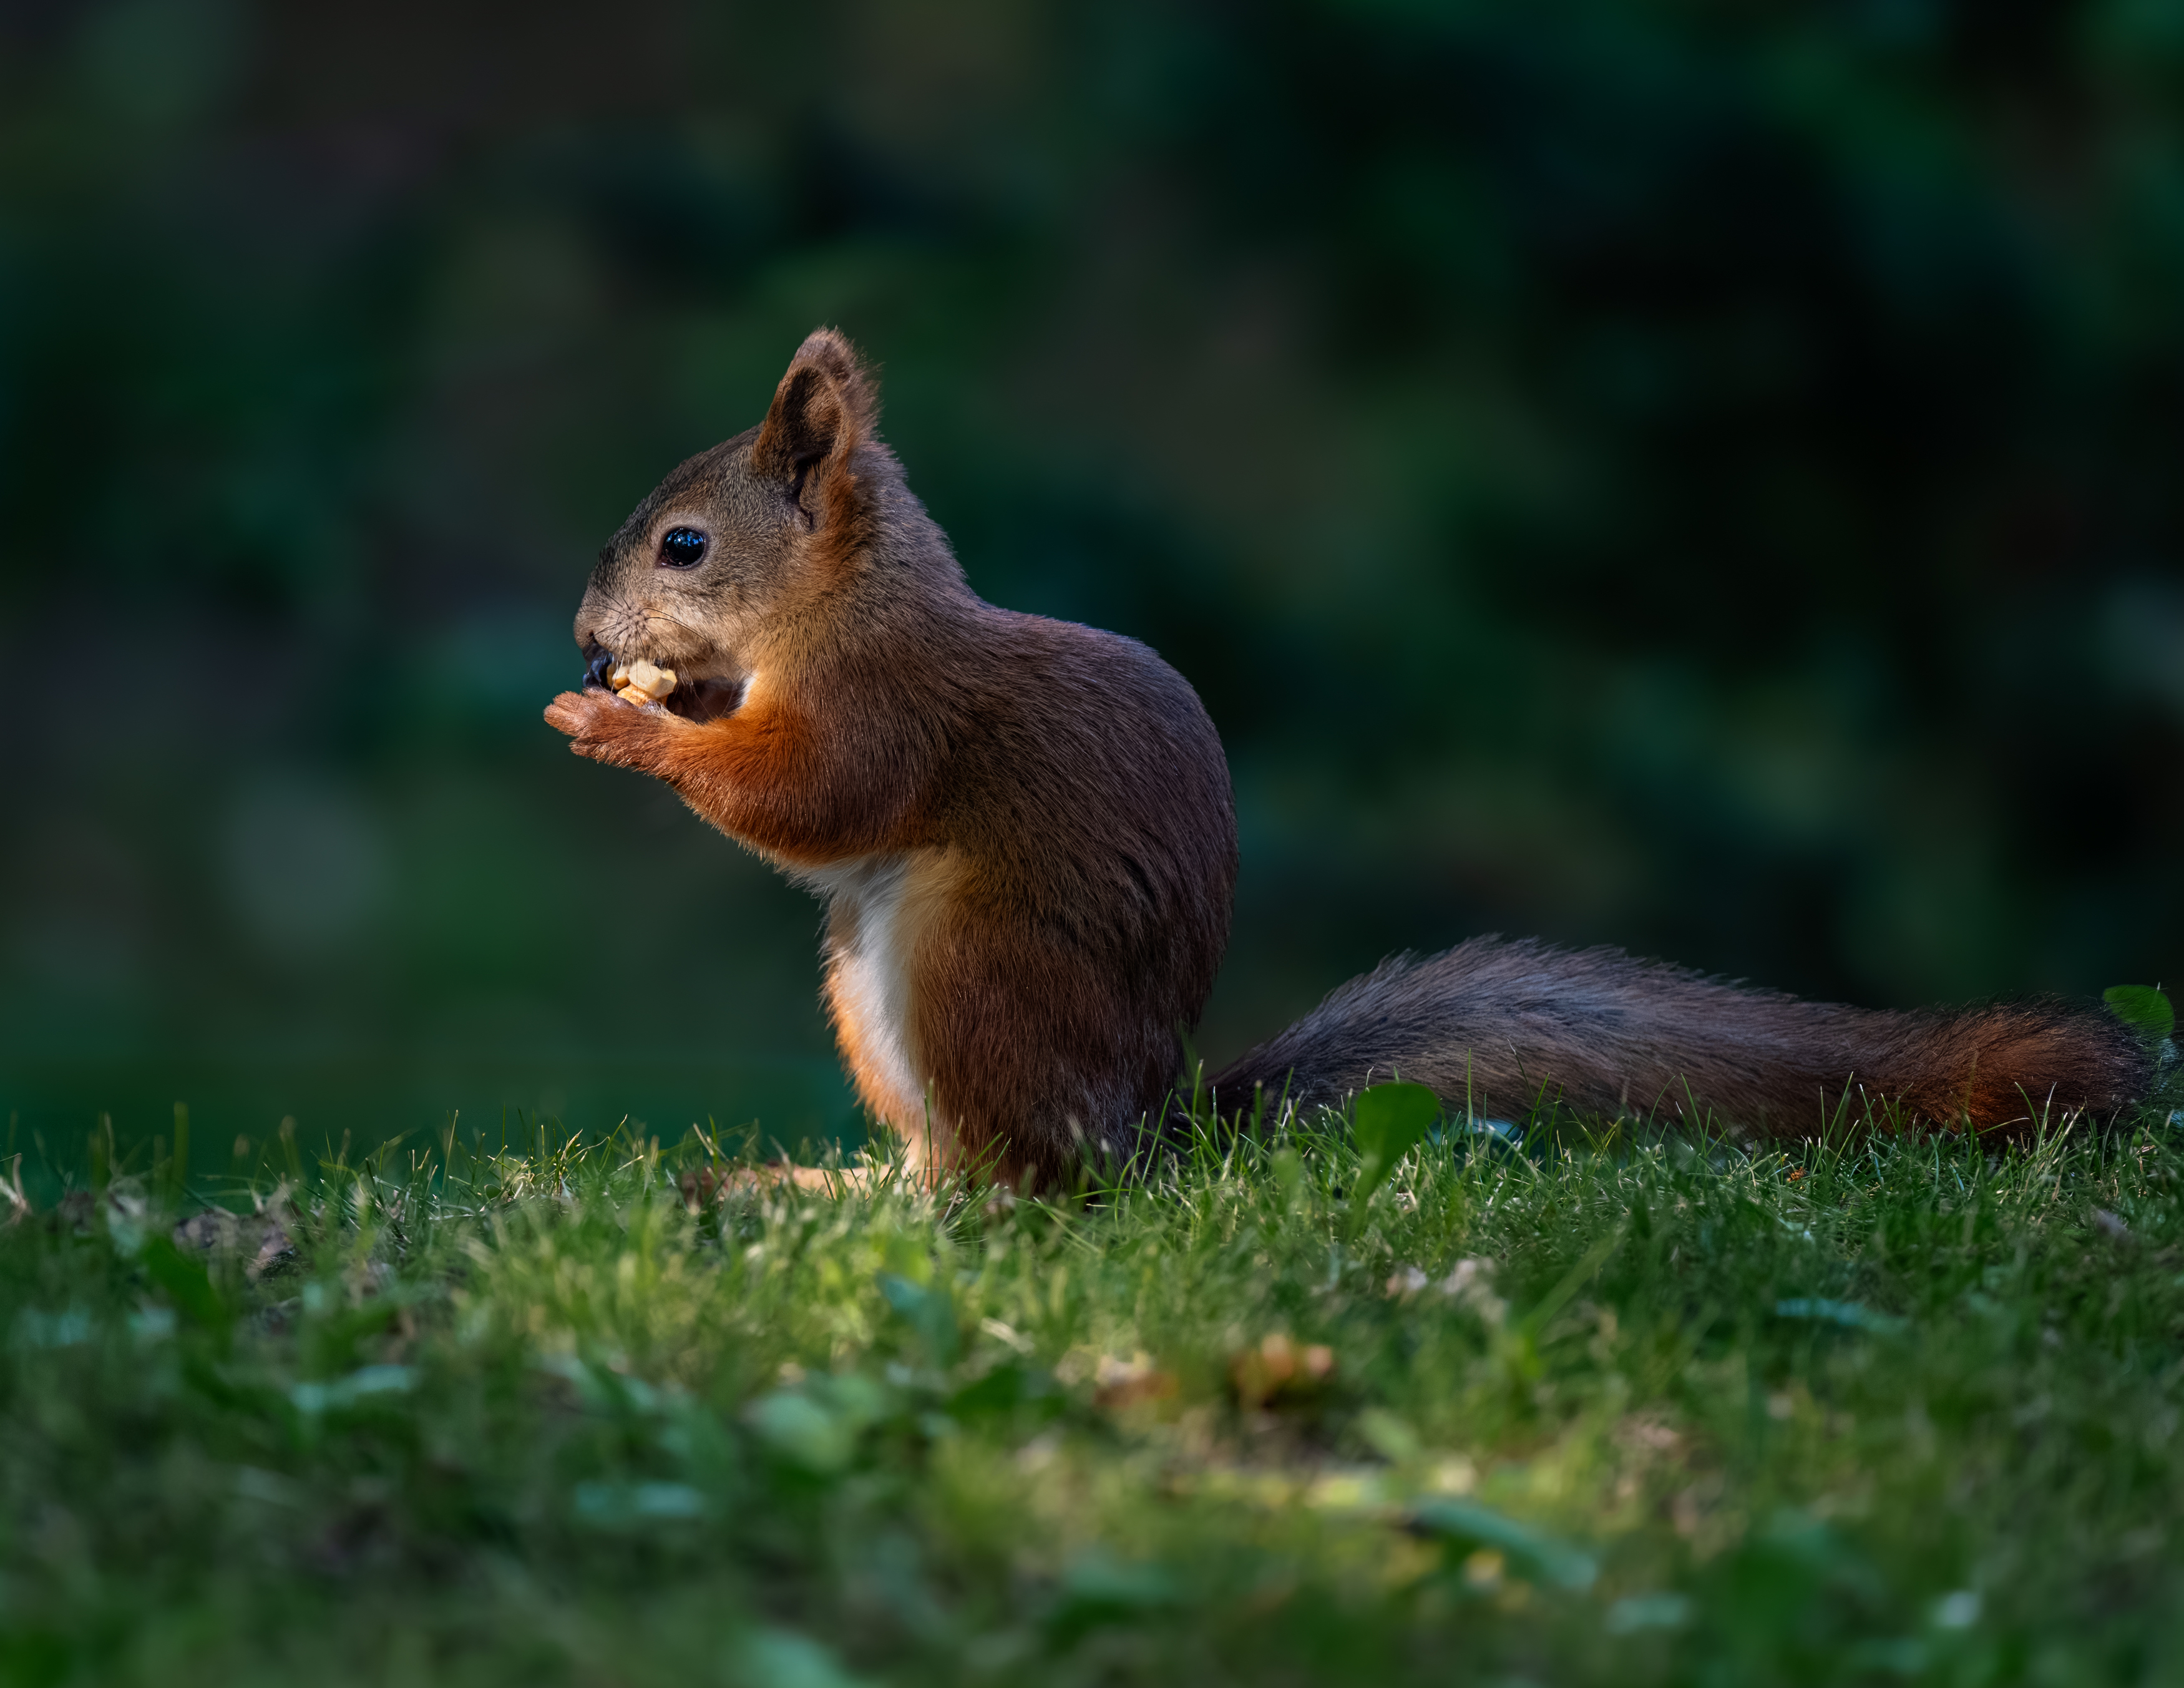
[[603, 727]]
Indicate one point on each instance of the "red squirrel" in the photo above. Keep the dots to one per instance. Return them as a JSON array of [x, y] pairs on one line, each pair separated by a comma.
[[1024, 834]]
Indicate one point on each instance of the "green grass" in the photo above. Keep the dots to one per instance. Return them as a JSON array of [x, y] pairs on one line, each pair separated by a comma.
[[1905, 1411]]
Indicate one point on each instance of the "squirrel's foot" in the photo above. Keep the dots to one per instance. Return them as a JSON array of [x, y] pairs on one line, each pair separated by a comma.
[[702, 1186]]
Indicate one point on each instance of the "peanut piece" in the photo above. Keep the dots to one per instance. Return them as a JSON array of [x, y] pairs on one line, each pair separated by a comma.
[[643, 683]]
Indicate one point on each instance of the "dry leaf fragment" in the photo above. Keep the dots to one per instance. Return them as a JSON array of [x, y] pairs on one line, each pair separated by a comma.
[[1126, 1382], [1406, 1280], [1279, 1367]]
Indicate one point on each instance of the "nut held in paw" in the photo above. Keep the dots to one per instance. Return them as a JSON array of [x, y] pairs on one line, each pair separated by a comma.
[[640, 682]]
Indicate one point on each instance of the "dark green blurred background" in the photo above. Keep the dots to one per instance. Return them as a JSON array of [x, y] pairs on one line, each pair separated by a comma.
[[1707, 477]]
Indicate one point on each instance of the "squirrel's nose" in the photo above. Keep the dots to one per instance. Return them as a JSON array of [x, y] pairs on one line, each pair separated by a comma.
[[598, 661]]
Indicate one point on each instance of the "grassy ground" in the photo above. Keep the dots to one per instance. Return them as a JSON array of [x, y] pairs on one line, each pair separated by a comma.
[[1631, 1412]]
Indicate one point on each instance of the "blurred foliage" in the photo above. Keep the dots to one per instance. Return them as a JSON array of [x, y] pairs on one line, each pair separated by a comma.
[[1703, 476]]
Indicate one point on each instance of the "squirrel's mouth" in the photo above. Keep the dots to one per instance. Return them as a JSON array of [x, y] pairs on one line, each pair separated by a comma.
[[704, 698], [696, 697]]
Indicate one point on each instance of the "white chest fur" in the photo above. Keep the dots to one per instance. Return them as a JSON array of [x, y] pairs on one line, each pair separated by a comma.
[[876, 912]]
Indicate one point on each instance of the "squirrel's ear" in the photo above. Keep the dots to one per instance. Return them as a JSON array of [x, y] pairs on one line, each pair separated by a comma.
[[823, 411]]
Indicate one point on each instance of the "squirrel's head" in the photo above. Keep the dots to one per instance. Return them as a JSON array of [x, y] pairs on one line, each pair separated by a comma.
[[714, 563]]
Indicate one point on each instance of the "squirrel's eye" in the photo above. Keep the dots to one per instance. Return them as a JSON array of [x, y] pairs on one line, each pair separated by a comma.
[[681, 548]]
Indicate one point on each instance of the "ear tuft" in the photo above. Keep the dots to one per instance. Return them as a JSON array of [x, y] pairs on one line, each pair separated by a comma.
[[824, 408]]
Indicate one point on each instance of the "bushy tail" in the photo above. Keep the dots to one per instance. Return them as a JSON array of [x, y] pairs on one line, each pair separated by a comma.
[[1505, 1027]]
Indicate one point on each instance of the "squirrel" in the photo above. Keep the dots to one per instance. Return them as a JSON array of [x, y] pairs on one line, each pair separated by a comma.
[[1024, 833]]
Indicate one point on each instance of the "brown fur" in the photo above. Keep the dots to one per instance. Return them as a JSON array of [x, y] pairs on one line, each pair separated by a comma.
[[1024, 832], [1504, 1027], [1036, 815]]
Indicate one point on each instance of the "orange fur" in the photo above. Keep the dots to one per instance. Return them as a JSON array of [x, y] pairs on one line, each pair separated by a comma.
[[1024, 832]]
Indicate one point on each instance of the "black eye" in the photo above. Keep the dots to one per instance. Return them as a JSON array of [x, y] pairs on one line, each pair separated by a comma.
[[682, 548]]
